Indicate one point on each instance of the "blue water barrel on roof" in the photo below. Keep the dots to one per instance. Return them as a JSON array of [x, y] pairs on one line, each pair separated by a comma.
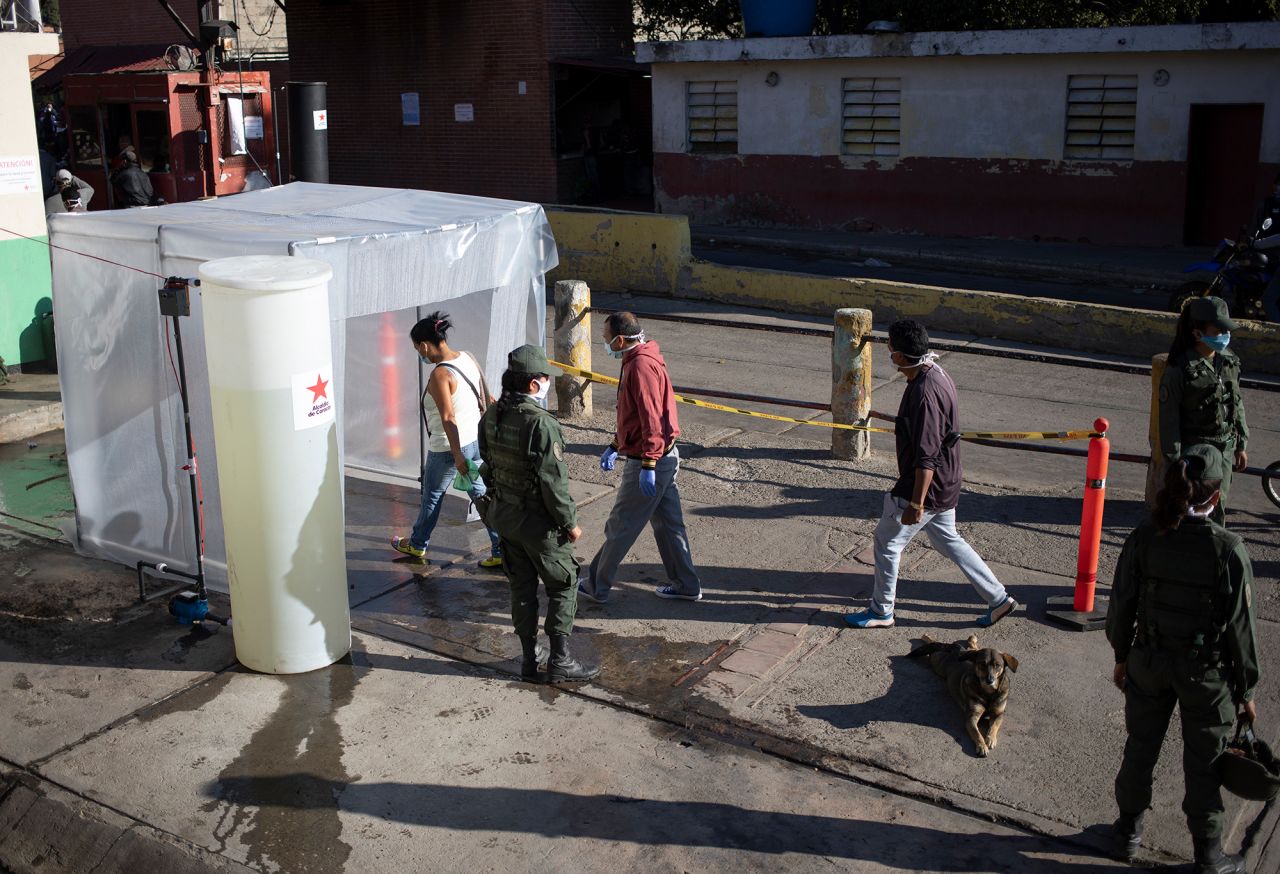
[[778, 17]]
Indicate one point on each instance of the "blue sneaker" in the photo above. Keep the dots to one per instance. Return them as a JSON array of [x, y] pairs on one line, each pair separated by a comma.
[[869, 619]]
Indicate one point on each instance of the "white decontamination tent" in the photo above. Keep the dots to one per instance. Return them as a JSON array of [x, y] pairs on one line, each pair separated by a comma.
[[396, 254]]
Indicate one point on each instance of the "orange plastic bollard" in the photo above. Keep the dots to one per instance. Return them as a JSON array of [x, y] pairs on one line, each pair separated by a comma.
[[1095, 493], [390, 389]]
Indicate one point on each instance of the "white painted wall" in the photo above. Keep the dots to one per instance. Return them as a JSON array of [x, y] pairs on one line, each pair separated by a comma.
[[987, 106], [23, 213]]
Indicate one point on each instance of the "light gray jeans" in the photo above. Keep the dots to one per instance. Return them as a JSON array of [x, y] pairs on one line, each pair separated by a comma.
[[631, 512], [892, 538]]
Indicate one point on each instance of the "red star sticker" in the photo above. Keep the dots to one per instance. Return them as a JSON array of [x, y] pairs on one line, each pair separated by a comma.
[[318, 389]]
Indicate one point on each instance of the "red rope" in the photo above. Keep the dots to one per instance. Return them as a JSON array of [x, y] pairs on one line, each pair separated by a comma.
[[84, 254]]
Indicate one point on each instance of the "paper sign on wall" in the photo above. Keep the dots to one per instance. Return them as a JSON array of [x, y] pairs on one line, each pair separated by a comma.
[[312, 398], [20, 174], [253, 127], [410, 114], [320, 118], [464, 112]]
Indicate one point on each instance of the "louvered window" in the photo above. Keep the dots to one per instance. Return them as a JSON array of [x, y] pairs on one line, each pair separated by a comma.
[[872, 116], [1101, 111], [713, 116]]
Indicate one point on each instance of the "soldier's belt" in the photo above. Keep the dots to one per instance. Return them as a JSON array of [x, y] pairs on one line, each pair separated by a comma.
[[839, 426]]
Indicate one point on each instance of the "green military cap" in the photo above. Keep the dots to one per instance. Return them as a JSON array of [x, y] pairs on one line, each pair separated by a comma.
[[1205, 462], [1213, 310], [531, 359]]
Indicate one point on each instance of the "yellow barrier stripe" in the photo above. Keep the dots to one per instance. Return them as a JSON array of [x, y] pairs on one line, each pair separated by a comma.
[[694, 402], [979, 435]]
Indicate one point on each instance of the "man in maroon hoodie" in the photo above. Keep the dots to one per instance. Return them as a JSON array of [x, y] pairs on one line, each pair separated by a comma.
[[646, 438]]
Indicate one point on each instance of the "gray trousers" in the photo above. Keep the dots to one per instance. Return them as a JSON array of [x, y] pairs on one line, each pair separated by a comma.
[[631, 512], [892, 537]]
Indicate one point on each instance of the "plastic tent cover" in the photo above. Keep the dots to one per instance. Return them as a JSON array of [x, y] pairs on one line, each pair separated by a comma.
[[396, 255]]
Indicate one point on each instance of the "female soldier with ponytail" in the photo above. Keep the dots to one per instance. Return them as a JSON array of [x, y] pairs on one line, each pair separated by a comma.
[[529, 506], [1181, 624], [1200, 399]]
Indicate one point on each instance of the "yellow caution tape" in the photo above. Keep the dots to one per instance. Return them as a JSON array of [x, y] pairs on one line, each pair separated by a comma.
[[708, 405]]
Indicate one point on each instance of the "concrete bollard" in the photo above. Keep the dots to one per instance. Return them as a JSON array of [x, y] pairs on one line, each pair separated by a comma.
[[573, 346], [851, 382], [1155, 467]]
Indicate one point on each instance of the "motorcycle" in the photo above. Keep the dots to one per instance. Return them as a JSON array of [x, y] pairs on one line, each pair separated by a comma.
[[1244, 275]]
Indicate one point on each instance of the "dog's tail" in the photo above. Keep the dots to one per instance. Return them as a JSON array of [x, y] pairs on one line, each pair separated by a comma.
[[928, 646]]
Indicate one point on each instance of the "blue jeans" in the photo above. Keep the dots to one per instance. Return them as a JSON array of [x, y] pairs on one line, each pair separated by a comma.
[[437, 476]]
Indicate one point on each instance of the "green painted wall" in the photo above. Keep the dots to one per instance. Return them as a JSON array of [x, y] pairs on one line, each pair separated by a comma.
[[25, 291]]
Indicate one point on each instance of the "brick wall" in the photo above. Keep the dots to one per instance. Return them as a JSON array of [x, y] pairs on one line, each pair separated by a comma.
[[461, 53], [143, 22], [123, 22], [588, 28]]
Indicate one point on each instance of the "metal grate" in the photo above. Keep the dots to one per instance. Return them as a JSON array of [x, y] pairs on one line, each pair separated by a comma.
[[1101, 116], [713, 116], [872, 116]]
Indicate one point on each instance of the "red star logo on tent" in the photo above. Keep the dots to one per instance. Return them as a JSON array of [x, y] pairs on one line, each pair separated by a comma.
[[318, 389]]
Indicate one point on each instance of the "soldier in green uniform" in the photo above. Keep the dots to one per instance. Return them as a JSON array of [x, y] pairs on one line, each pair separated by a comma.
[[1200, 398], [529, 506], [1181, 624]]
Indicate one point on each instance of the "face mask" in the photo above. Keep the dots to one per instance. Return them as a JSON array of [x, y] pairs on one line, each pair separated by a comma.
[[610, 351], [425, 359], [541, 393], [1218, 342], [1205, 510]]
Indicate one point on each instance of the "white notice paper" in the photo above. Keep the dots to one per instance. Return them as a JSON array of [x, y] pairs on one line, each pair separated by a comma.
[[410, 116], [320, 118], [312, 398], [20, 174], [464, 112], [253, 127]]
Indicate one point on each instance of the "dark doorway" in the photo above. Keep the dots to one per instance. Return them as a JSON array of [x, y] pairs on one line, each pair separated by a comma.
[[1222, 170]]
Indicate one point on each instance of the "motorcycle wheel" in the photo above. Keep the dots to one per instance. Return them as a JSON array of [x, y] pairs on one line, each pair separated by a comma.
[[1184, 293], [1271, 482]]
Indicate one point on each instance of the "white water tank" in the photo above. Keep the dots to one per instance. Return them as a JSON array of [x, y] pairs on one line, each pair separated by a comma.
[[266, 335]]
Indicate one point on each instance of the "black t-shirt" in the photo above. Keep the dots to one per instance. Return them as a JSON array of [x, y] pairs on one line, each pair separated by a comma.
[[928, 411]]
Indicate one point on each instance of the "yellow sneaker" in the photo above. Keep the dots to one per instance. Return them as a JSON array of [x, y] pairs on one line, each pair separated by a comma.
[[491, 562], [402, 544]]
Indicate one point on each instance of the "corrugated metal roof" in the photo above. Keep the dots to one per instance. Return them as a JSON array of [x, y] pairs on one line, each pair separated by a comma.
[[106, 59]]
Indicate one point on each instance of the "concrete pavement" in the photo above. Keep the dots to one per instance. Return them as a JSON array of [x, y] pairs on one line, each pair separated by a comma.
[[750, 730]]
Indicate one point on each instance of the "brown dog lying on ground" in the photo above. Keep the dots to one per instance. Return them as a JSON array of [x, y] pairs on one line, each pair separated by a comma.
[[978, 679]]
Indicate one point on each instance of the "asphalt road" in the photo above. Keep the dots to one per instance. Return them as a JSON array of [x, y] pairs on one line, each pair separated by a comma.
[[739, 256]]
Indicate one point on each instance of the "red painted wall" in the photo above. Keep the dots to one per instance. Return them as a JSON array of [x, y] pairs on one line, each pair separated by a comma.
[[1138, 204]]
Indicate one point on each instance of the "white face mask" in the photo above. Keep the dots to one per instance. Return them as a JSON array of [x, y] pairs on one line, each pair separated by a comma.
[[1205, 510], [543, 388]]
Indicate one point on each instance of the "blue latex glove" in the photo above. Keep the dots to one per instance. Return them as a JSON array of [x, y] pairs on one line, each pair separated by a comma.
[[608, 458], [648, 482]]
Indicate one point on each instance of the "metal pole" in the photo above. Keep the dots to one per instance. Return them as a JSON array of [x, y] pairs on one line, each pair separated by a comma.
[[1155, 468], [275, 131], [573, 346], [191, 460], [851, 383]]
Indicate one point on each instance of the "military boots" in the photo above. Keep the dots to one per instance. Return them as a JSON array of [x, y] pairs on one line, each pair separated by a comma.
[[1127, 836], [533, 655], [1211, 860], [564, 668]]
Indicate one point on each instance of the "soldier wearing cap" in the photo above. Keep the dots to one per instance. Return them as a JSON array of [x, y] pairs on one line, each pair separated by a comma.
[[1200, 399], [1181, 624], [529, 506]]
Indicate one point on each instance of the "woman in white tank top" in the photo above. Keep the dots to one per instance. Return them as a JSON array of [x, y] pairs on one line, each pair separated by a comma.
[[456, 395]]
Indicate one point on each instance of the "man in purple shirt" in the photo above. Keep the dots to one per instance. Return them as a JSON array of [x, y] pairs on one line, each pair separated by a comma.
[[928, 487]]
